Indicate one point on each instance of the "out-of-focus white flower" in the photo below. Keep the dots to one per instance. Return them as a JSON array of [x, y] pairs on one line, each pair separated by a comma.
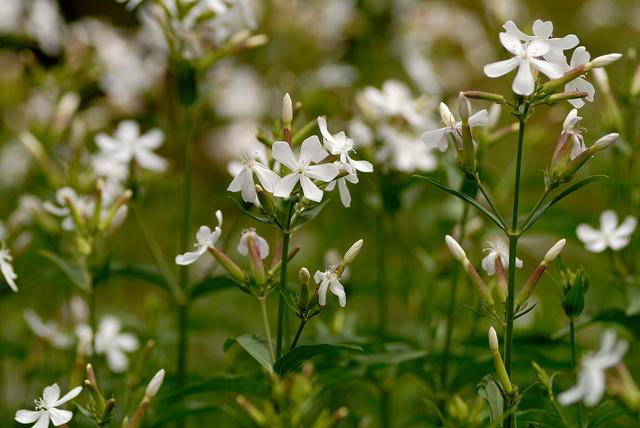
[[260, 242], [301, 169], [47, 408], [438, 137], [527, 54], [130, 4], [579, 57], [494, 250], [233, 86], [394, 99], [128, 144], [84, 205], [362, 134], [543, 31], [7, 268], [15, 162], [10, 14], [243, 181], [591, 380], [405, 152], [45, 24], [610, 235], [205, 238], [114, 344], [329, 281], [49, 331]]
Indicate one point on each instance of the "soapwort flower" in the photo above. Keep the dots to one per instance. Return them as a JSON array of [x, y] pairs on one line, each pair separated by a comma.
[[47, 408], [341, 145], [579, 57], [494, 250], [438, 137], [302, 170], [329, 281], [114, 344], [243, 181], [543, 31], [7, 268], [261, 244], [205, 238], [610, 235], [591, 379]]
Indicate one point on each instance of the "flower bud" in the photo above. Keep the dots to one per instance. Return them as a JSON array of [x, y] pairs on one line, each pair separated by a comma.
[[604, 142], [554, 251], [574, 287], [446, 115], [352, 252], [494, 345], [155, 384], [304, 275], [232, 268], [565, 96], [287, 111], [455, 249], [486, 96], [463, 107], [604, 60], [266, 200], [501, 372]]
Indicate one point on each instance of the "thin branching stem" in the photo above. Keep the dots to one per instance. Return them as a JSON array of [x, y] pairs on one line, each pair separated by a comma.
[[286, 235], [267, 329]]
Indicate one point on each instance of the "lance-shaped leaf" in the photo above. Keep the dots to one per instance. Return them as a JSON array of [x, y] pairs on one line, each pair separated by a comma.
[[292, 359]]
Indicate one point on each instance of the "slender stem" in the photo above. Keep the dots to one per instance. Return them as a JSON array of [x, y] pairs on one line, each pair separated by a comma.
[[452, 305], [267, 329], [286, 234], [513, 248], [93, 319], [381, 292], [488, 198], [298, 333], [574, 367], [558, 411]]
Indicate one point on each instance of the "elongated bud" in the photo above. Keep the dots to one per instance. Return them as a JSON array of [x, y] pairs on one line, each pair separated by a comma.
[[604, 60], [265, 199], [287, 111], [542, 376], [455, 249], [303, 298], [256, 40], [554, 251], [486, 96], [553, 85], [259, 417], [604, 142], [353, 252], [565, 96], [463, 107], [635, 83], [91, 375], [115, 208], [232, 268], [304, 275], [446, 115], [155, 384], [501, 372], [255, 262]]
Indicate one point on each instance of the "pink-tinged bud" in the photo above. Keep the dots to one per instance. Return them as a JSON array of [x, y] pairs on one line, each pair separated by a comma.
[[554, 251], [352, 252], [232, 268], [91, 376], [501, 277], [530, 285], [604, 60], [494, 345], [604, 142], [553, 85], [565, 96], [287, 111], [446, 115], [486, 96], [463, 107], [455, 249], [155, 384], [255, 261]]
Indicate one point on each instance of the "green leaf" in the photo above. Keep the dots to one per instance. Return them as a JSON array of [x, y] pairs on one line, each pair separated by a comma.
[[490, 392], [223, 383], [300, 219], [76, 273], [292, 359], [211, 285], [605, 413], [247, 208], [465, 198], [257, 347], [142, 272], [392, 358], [566, 192]]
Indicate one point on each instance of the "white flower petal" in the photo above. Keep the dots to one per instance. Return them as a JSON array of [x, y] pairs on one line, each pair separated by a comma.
[[282, 153], [267, 178], [323, 172], [523, 84], [51, 394], [59, 417], [43, 421], [608, 221], [500, 68], [479, 118], [285, 185], [511, 43], [117, 360], [149, 160], [69, 396], [311, 151], [345, 196], [310, 190], [152, 139], [28, 416], [190, 256], [553, 71]]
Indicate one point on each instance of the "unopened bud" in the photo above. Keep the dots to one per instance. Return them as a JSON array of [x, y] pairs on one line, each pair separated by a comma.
[[487, 96], [91, 375], [352, 252], [494, 345], [304, 275], [604, 60], [446, 115], [257, 40], [604, 142], [287, 111], [501, 372], [455, 249], [565, 96], [228, 264], [463, 107], [155, 384], [554, 251]]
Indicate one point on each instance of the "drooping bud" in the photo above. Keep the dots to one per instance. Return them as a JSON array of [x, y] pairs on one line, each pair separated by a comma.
[[565, 96], [155, 384], [353, 252], [604, 60], [501, 372]]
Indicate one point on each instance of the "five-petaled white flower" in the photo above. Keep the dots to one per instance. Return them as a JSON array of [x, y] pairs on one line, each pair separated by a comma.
[[610, 234], [497, 249], [341, 145], [543, 31], [301, 169], [205, 238], [328, 280], [114, 344], [579, 57], [394, 99], [47, 408], [438, 137], [7, 268], [571, 126], [526, 54], [128, 144], [591, 380], [261, 244], [243, 181], [345, 195]]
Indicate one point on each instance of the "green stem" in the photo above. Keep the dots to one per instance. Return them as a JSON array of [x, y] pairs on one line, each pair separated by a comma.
[[381, 292], [513, 236], [488, 198], [286, 234], [267, 329], [93, 319], [574, 367], [298, 333], [558, 411], [452, 306]]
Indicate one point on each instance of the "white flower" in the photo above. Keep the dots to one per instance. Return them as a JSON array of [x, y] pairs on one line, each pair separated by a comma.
[[7, 268], [345, 196], [579, 57], [205, 238], [543, 31], [610, 234], [570, 126], [438, 138], [46, 408], [301, 169], [341, 145], [591, 380], [48, 331], [243, 181], [328, 280], [392, 100], [526, 54], [497, 249], [128, 144], [62, 195], [405, 152], [113, 344], [260, 242]]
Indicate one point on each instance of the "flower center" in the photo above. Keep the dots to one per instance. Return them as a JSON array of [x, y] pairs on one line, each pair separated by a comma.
[[41, 404]]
